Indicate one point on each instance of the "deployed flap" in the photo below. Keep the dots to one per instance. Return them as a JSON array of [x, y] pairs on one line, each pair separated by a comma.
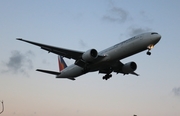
[[57, 50], [134, 73]]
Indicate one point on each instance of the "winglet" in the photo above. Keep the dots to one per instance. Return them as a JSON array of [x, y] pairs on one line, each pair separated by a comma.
[[62, 64]]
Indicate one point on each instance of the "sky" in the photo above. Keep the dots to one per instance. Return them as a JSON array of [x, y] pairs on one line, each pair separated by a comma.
[[83, 25]]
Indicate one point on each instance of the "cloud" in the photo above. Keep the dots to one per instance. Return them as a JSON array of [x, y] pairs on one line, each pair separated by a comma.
[[82, 44], [145, 17], [18, 62], [176, 91], [137, 30], [116, 14]]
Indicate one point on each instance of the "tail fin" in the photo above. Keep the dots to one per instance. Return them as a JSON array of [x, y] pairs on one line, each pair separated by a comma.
[[62, 64]]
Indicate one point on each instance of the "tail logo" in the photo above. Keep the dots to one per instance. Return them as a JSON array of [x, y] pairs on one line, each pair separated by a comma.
[[62, 64]]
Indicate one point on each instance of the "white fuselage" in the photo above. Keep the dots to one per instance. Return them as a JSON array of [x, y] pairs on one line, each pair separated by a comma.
[[119, 51]]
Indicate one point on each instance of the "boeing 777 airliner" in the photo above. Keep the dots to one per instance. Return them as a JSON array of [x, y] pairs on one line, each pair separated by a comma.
[[106, 61]]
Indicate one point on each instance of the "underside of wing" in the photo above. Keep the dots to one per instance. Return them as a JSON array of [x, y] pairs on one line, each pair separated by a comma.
[[57, 50], [76, 55]]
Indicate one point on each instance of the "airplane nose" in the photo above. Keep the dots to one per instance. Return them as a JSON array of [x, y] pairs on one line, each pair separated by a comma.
[[158, 36], [155, 37]]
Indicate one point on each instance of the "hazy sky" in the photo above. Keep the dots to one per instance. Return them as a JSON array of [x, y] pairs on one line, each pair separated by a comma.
[[82, 25]]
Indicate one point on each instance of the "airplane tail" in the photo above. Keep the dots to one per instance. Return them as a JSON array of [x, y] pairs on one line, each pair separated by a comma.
[[62, 65], [61, 62]]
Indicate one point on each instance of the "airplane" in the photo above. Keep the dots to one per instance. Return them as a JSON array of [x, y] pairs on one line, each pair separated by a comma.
[[105, 61]]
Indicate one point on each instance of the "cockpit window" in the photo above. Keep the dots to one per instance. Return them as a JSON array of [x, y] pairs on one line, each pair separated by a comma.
[[154, 33]]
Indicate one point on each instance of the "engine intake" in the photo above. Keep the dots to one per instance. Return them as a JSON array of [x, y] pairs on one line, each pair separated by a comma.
[[90, 55], [129, 67]]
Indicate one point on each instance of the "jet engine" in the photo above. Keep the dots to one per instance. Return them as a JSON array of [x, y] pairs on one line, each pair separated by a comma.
[[129, 67], [90, 55]]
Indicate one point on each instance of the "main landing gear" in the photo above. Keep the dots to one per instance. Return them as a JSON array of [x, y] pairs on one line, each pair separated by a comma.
[[107, 76]]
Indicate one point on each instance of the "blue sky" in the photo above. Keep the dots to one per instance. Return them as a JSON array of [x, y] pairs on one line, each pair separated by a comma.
[[82, 25]]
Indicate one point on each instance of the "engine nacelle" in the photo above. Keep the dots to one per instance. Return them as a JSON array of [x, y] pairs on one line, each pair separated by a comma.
[[129, 67], [90, 55]]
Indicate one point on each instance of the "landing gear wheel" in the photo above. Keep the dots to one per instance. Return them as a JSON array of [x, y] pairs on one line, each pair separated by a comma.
[[104, 77], [107, 76], [149, 53]]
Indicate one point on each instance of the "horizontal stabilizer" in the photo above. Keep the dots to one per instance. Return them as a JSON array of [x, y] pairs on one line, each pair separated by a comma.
[[49, 72]]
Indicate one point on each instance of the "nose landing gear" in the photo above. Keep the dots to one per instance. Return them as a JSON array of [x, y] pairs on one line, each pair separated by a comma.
[[149, 48], [148, 53]]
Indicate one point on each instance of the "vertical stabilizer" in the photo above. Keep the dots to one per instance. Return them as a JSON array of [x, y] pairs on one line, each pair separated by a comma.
[[61, 62]]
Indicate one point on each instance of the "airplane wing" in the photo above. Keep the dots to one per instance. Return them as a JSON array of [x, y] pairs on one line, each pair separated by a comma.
[[57, 50], [118, 68], [115, 67]]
